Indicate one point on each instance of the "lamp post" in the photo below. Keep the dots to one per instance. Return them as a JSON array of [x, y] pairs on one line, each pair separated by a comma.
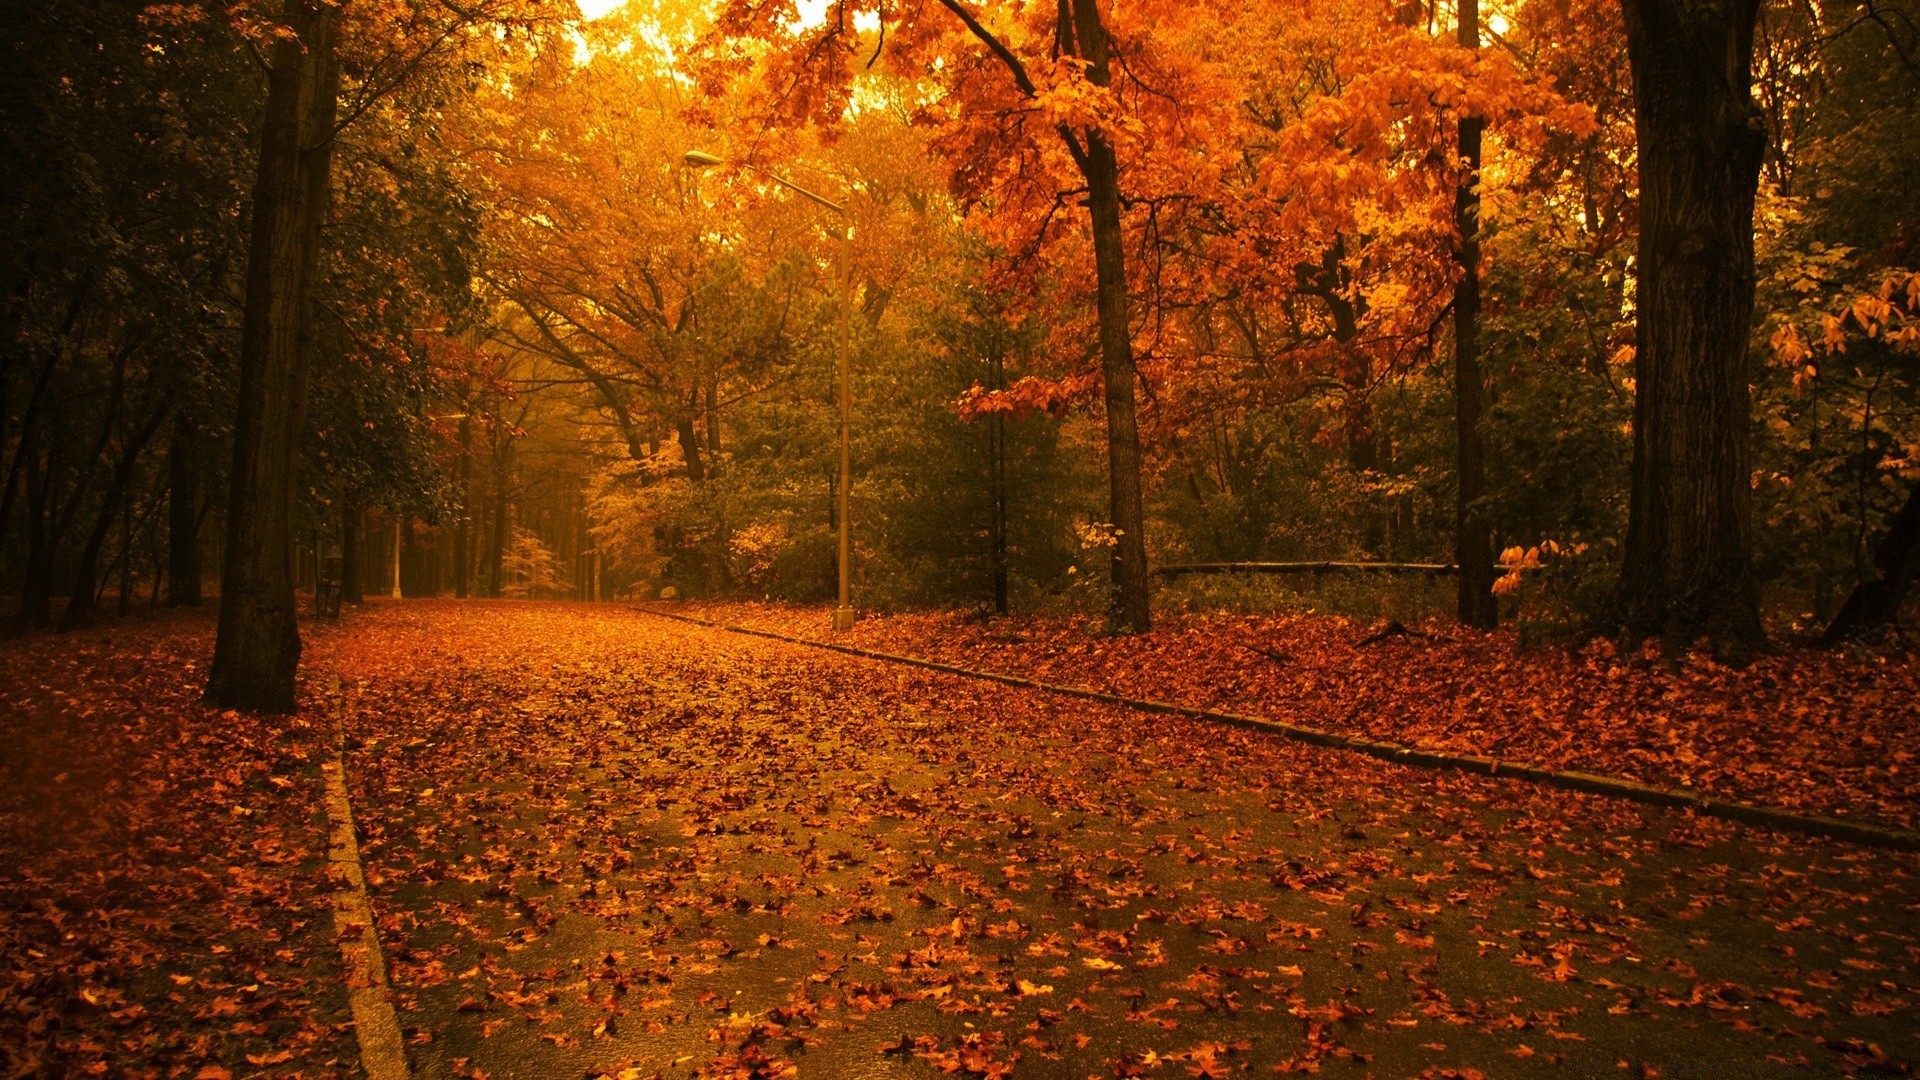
[[842, 614]]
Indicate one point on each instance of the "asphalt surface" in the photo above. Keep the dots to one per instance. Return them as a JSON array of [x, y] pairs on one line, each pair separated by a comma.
[[598, 843]]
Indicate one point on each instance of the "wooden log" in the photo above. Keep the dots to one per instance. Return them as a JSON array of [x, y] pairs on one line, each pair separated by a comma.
[[1177, 569]]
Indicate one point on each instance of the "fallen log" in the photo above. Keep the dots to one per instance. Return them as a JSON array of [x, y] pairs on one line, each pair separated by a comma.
[[1177, 569]]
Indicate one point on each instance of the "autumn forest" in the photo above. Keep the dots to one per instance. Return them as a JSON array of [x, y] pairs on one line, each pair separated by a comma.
[[854, 538]]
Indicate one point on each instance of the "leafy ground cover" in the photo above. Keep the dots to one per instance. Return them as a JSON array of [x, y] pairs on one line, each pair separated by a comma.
[[603, 844], [1801, 729], [162, 903]]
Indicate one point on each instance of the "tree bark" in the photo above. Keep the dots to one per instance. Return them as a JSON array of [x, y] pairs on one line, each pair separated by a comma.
[[36, 587], [1080, 33], [463, 528], [257, 652], [997, 481], [1132, 585], [83, 602], [183, 516], [1875, 601], [497, 552], [690, 448], [1688, 568], [1472, 542], [353, 576]]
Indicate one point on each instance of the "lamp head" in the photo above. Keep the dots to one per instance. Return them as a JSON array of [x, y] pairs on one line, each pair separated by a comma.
[[700, 159]]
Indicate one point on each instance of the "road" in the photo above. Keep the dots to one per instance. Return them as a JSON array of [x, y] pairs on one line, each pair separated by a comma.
[[604, 843]]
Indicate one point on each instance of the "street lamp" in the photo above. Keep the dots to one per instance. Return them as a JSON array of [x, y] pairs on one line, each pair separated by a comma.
[[700, 159]]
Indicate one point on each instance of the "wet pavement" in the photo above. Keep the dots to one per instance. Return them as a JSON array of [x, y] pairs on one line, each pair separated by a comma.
[[601, 843]]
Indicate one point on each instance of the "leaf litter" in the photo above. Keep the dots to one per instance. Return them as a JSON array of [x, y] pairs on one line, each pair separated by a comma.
[[602, 844], [605, 845], [1816, 731]]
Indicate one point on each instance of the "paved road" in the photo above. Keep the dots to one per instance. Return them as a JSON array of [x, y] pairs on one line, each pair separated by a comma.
[[605, 843]]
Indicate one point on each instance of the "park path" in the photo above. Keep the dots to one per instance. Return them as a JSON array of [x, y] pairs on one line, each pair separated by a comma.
[[599, 843]]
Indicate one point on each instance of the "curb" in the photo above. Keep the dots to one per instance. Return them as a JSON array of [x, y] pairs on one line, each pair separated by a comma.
[[1568, 780], [375, 1026]]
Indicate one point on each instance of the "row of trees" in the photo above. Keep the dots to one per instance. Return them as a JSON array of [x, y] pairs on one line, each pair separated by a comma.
[[1300, 222], [1249, 281], [213, 213]]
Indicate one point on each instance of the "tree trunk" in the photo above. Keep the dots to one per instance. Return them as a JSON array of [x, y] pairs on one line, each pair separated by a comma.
[[1875, 601], [497, 554], [463, 528], [1472, 543], [257, 651], [36, 587], [690, 448], [713, 417], [1329, 281], [352, 575], [997, 480], [1688, 568], [183, 516], [1132, 595], [82, 604]]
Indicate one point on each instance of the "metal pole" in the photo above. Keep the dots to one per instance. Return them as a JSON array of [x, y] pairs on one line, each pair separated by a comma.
[[700, 159], [843, 615], [396, 555]]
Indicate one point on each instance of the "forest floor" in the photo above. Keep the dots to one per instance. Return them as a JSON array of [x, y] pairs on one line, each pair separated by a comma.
[[600, 843], [1832, 732]]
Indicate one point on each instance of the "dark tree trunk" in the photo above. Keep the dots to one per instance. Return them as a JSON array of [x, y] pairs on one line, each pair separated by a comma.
[[183, 516], [463, 528], [1472, 542], [1132, 586], [1688, 568], [997, 480], [713, 417], [36, 588], [46, 527], [131, 524], [82, 604], [1875, 601], [497, 553], [353, 589], [1329, 281], [1079, 33], [23, 443], [690, 448], [257, 651]]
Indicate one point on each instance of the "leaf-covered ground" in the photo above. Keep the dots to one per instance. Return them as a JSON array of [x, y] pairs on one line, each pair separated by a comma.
[[162, 902], [604, 843], [1810, 730]]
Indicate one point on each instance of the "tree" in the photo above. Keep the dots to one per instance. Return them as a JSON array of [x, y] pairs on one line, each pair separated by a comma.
[[118, 226], [1085, 37], [1472, 544], [258, 648], [530, 568], [1075, 90], [391, 46], [1687, 571]]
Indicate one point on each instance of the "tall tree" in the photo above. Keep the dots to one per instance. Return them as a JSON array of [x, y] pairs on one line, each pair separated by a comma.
[[1472, 542], [1688, 567], [183, 515], [1059, 62], [258, 648], [1085, 37]]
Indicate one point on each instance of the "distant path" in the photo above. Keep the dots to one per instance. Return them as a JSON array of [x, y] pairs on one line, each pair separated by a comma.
[[598, 842]]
